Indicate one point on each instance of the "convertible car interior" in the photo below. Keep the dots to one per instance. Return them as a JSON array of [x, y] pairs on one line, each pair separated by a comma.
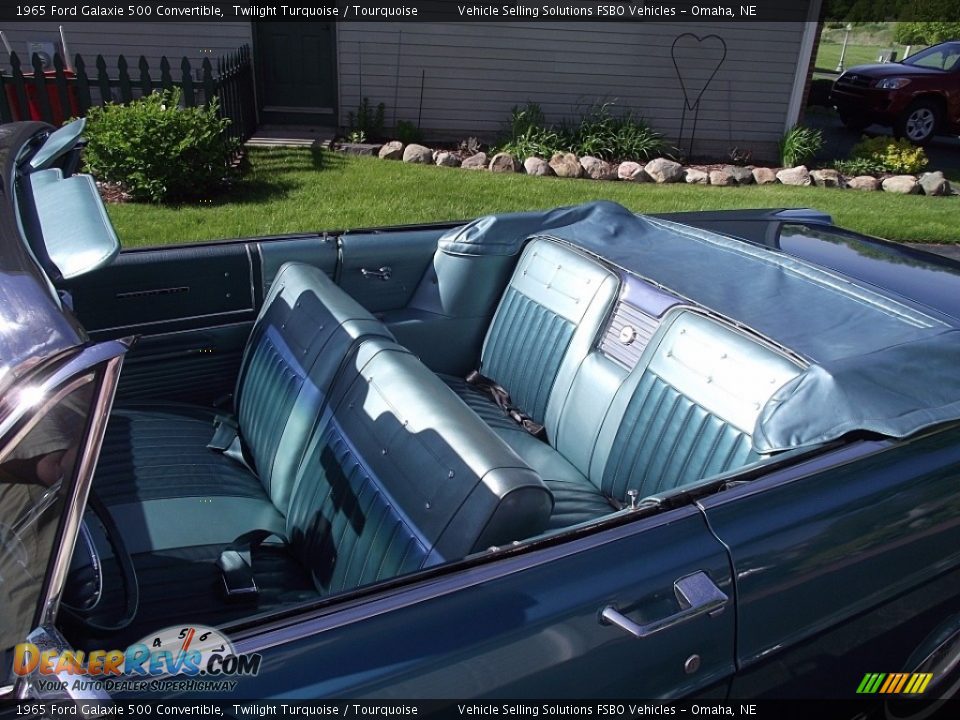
[[549, 371]]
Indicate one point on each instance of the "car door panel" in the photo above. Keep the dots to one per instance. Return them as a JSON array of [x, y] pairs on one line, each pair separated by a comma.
[[524, 627], [382, 270], [812, 554], [167, 289], [191, 308], [196, 366], [320, 251]]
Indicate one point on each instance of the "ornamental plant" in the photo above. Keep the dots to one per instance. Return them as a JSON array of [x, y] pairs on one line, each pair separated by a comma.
[[159, 151], [892, 156]]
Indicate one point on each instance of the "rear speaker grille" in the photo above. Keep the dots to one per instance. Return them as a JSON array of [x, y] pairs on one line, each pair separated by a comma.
[[627, 335]]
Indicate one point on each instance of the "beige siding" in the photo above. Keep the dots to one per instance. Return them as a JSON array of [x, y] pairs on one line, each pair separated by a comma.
[[473, 73], [194, 40]]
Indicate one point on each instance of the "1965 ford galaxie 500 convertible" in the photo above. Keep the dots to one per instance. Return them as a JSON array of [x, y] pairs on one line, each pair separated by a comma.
[[568, 453]]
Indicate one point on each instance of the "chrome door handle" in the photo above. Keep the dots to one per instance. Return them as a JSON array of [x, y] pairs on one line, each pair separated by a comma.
[[383, 273], [696, 594]]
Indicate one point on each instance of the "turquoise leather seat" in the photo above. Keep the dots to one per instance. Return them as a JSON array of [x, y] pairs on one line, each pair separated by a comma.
[[167, 489]]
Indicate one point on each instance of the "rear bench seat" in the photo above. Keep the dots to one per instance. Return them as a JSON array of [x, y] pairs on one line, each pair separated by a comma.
[[368, 465], [684, 413]]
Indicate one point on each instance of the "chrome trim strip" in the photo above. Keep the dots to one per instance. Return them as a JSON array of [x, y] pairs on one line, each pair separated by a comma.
[[119, 328], [84, 474]]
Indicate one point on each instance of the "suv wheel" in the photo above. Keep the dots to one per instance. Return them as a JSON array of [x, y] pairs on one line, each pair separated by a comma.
[[919, 122]]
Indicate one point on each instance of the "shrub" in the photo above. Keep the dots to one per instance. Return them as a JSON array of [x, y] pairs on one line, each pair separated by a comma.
[[406, 132], [799, 145], [605, 135], [893, 156], [367, 119], [159, 151], [858, 166], [528, 134]]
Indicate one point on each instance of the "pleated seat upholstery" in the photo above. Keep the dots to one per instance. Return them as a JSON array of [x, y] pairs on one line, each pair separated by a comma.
[[167, 489]]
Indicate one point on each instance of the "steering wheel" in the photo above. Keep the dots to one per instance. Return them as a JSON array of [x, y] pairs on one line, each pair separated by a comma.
[[82, 600]]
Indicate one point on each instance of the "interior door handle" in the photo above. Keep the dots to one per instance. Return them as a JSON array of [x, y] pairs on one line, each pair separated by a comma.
[[696, 594], [383, 273]]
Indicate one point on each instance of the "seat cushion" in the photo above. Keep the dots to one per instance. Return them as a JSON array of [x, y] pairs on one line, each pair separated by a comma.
[[166, 489], [575, 498]]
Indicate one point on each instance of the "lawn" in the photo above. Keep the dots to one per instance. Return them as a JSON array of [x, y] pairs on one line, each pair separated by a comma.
[[300, 190], [829, 55]]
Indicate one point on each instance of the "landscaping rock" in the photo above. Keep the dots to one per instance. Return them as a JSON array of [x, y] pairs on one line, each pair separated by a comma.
[[537, 167], [764, 176], [368, 149], [630, 170], [597, 169], [479, 161], [901, 184], [418, 154], [827, 178], [743, 176], [795, 176], [446, 159], [722, 177], [698, 177], [864, 182], [664, 171], [934, 183], [566, 165], [393, 150], [504, 163]]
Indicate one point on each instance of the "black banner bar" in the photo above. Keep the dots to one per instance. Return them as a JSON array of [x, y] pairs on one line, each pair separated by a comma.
[[413, 11], [867, 708]]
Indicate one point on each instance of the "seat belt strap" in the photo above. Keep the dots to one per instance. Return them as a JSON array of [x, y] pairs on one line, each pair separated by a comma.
[[501, 397]]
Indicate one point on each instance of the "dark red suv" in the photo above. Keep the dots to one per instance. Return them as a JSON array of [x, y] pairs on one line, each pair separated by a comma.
[[918, 97]]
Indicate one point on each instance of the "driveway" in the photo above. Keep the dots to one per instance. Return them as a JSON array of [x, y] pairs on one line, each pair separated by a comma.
[[944, 152]]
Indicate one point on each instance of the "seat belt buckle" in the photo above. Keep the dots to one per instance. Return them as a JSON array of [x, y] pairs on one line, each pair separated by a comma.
[[224, 433], [238, 582]]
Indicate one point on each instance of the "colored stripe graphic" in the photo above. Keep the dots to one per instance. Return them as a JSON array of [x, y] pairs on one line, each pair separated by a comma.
[[894, 683]]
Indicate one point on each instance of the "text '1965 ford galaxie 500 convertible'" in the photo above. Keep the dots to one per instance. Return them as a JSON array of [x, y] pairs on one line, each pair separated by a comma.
[[571, 453]]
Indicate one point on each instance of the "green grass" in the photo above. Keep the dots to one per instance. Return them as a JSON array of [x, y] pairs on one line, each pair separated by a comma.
[[829, 55], [297, 190]]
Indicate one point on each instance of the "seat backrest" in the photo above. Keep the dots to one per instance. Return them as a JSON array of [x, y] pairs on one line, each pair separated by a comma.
[[304, 332], [688, 409], [545, 325], [401, 475]]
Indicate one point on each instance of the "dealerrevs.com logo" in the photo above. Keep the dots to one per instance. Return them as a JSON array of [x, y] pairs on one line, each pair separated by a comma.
[[194, 658]]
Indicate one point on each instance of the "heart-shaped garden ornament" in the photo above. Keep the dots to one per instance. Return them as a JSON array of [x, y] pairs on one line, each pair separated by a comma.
[[697, 60]]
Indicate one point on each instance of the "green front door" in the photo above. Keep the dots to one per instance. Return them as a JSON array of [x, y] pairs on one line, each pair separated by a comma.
[[296, 72]]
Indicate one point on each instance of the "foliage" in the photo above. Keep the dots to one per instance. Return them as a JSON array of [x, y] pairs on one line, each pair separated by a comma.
[[893, 156], [605, 135], [159, 151], [368, 119], [406, 132], [470, 146], [926, 33], [740, 156], [799, 145], [528, 134], [598, 132], [858, 166], [357, 136]]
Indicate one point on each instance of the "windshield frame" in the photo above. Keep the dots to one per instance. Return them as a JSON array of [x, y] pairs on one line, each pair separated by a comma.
[[103, 361]]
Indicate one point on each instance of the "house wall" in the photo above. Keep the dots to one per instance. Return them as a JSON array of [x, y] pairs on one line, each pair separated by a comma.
[[462, 79], [194, 40]]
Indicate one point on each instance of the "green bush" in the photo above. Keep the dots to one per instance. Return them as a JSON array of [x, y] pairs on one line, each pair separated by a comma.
[[598, 132], [528, 134], [406, 132], [605, 135], [368, 119], [799, 145], [893, 156], [159, 151], [858, 166]]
